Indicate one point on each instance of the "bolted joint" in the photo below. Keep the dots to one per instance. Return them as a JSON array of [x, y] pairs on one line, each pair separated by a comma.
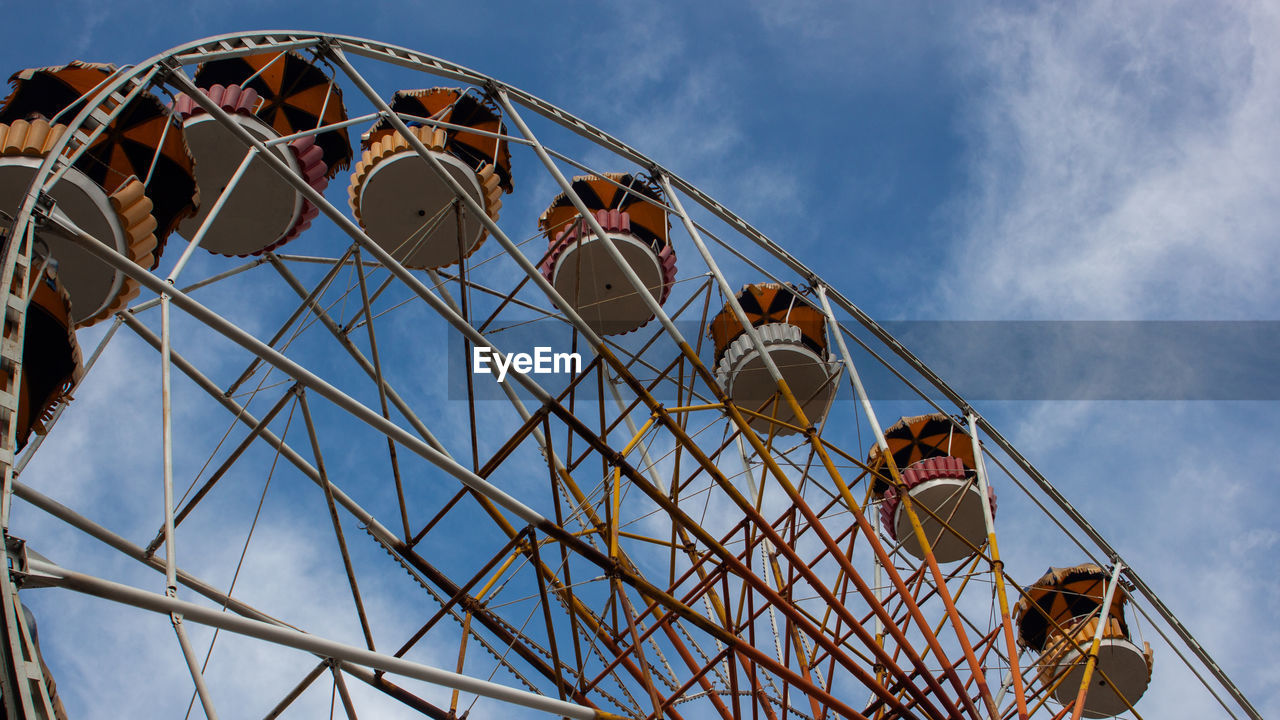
[[44, 204], [325, 46], [169, 67], [615, 458], [23, 576]]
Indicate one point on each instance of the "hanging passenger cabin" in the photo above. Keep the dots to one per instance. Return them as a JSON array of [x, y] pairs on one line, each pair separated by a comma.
[[1058, 618], [270, 96], [399, 199], [630, 210], [794, 334], [935, 462], [51, 364], [129, 189]]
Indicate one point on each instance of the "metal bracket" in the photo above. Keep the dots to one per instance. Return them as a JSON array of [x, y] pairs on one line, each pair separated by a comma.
[[325, 47], [170, 66], [17, 557], [45, 202]]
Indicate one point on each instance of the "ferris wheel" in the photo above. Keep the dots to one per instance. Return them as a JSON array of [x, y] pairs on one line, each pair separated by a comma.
[[342, 378]]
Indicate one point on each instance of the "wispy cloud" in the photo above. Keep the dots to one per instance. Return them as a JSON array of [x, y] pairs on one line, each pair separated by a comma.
[[655, 82], [1122, 161]]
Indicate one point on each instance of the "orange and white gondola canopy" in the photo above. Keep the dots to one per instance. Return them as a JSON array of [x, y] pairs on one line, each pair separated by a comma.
[[636, 195], [144, 141], [296, 95], [920, 437], [767, 303], [1060, 595], [454, 106]]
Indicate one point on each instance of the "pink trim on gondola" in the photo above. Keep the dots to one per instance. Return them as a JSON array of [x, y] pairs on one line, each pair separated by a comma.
[[312, 168], [310, 156], [934, 468], [618, 221], [232, 98]]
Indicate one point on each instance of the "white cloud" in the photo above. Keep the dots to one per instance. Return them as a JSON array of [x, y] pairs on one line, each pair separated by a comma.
[[1254, 540], [1122, 161]]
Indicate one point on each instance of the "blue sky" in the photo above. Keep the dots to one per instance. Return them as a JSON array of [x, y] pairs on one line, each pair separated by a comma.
[[982, 162]]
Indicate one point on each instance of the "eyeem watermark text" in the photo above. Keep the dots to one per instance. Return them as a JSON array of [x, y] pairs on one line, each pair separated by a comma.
[[541, 362], [1033, 360]]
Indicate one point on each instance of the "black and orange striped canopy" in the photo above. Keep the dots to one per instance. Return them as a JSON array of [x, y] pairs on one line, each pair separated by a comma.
[[145, 140], [53, 91], [637, 195], [912, 439], [766, 303], [1062, 594], [297, 95], [458, 107], [51, 363]]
